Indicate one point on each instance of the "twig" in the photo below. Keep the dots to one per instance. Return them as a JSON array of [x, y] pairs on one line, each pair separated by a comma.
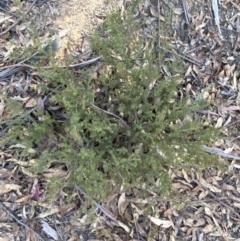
[[15, 65], [109, 113], [21, 117], [4, 10], [6, 209], [199, 64], [185, 11], [13, 25], [83, 64], [159, 27], [216, 17], [106, 212], [100, 207], [11, 69], [216, 198], [207, 112], [80, 65], [219, 152]]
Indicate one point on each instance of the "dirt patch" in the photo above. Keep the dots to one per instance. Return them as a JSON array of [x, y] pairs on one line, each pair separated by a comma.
[[81, 18]]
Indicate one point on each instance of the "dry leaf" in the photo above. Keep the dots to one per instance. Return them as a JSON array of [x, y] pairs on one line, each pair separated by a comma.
[[4, 18], [161, 222], [49, 212], [116, 237], [200, 222], [2, 106], [177, 11], [24, 198], [40, 104], [63, 33], [49, 230], [180, 186], [122, 204], [208, 211], [125, 227], [209, 186], [186, 176], [154, 13], [31, 102], [219, 123], [6, 238], [5, 188]]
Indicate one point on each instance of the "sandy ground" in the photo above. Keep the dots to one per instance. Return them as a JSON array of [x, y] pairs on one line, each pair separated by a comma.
[[80, 18]]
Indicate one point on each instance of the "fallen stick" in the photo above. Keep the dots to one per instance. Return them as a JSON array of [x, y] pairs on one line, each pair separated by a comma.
[[11, 69], [13, 216], [219, 152]]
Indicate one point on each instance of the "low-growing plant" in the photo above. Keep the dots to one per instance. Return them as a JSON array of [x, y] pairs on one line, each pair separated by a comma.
[[125, 123]]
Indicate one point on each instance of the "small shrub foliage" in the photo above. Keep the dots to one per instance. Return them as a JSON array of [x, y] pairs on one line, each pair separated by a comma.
[[124, 124]]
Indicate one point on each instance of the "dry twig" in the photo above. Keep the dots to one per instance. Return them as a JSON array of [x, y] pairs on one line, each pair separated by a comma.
[[199, 64], [216, 198], [13, 25], [110, 113], [100, 207], [185, 11], [13, 216], [219, 152], [13, 122], [11, 69]]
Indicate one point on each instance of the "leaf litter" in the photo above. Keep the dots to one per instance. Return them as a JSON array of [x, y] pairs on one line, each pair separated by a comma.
[[207, 39]]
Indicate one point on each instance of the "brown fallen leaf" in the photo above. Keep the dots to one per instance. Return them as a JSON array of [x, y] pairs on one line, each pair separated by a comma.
[[208, 229], [209, 186], [140, 229], [200, 222], [5, 188], [180, 186], [49, 212], [31, 102], [116, 237], [161, 222], [122, 204], [24, 198], [125, 227], [154, 13]]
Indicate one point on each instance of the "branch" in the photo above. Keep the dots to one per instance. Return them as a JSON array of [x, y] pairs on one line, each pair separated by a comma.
[[13, 216]]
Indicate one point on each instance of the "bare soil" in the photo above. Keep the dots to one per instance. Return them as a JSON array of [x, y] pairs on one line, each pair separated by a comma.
[[81, 18]]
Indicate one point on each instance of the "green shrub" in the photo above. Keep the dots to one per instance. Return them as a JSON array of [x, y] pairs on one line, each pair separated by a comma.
[[124, 126]]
